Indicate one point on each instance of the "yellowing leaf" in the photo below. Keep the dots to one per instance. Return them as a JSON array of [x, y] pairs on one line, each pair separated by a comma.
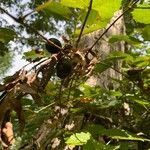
[[78, 138]]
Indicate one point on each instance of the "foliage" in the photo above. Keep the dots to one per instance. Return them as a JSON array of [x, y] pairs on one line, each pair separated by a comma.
[[78, 139], [5, 63], [113, 118], [142, 10]]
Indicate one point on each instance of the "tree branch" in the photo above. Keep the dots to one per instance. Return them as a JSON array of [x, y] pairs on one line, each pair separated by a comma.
[[87, 15], [21, 21], [112, 25]]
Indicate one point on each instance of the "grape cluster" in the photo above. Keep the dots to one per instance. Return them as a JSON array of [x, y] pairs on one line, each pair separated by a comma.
[[64, 64]]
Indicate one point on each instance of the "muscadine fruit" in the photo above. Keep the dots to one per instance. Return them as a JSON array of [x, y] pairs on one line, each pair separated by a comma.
[[64, 67], [52, 48]]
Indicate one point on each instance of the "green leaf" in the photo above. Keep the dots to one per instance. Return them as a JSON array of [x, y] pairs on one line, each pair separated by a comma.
[[56, 9], [118, 55], [125, 145], [92, 19], [3, 48], [7, 35], [106, 9], [141, 13], [115, 93], [5, 63], [112, 103], [123, 135], [89, 91], [109, 61], [51, 89], [128, 39], [114, 133], [148, 51], [77, 93], [75, 3], [78, 139], [105, 12], [142, 61], [86, 89], [102, 66], [92, 144], [32, 55], [90, 28], [43, 6], [93, 22], [146, 33], [142, 102], [95, 129]]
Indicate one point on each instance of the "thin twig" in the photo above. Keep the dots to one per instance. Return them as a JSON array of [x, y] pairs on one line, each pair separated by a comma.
[[38, 64], [87, 15], [11, 16], [21, 21], [45, 107], [123, 74], [38, 33], [60, 91], [112, 25], [71, 83], [18, 20], [28, 14]]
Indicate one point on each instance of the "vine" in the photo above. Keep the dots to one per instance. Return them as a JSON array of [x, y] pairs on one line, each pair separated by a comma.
[[28, 82]]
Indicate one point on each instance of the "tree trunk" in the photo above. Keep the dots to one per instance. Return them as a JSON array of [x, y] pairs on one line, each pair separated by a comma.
[[103, 48]]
